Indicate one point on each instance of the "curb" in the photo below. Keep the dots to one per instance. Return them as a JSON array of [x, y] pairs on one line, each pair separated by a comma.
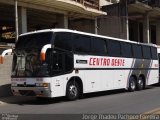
[[2, 103], [153, 112]]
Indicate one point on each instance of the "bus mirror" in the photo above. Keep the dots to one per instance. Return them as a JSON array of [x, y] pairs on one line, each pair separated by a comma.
[[42, 56], [43, 52], [1, 60], [3, 55]]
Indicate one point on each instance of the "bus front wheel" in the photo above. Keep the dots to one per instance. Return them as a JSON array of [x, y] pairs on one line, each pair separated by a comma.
[[72, 90], [132, 84]]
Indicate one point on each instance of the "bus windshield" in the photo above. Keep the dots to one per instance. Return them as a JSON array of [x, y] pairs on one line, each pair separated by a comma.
[[37, 40], [26, 59]]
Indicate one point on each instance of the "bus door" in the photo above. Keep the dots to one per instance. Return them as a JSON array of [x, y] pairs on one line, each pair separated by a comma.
[[61, 63]]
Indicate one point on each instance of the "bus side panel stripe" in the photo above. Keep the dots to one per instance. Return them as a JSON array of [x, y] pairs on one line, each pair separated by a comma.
[[151, 62], [146, 64], [130, 73]]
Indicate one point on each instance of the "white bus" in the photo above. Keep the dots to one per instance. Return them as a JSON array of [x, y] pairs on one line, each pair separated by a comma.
[[158, 51], [61, 62]]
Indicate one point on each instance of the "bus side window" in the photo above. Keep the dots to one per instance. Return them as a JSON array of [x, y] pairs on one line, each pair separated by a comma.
[[99, 46], [68, 62], [63, 41], [154, 53], [126, 50], [81, 43], [58, 61], [137, 51], [114, 48], [146, 52]]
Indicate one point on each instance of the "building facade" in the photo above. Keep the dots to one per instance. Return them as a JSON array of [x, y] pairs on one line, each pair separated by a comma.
[[135, 20], [39, 14]]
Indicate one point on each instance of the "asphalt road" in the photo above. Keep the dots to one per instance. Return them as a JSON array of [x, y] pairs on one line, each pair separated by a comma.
[[110, 102]]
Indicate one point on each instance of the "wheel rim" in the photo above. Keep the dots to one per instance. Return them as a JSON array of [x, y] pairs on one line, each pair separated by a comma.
[[140, 82], [73, 90], [133, 85]]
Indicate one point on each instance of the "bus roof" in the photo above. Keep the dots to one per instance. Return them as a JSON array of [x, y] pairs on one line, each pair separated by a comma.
[[85, 33]]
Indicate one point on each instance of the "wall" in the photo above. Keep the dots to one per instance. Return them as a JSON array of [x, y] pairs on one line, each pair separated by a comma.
[[107, 2], [5, 79], [85, 25], [158, 33], [114, 23]]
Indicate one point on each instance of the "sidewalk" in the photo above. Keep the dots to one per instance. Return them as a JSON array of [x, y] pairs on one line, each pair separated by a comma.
[[153, 112]]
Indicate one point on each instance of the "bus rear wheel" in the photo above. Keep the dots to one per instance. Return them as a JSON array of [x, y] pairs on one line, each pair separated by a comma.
[[72, 90], [140, 84], [132, 84]]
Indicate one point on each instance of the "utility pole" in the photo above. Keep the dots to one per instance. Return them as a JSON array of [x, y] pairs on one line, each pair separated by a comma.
[[127, 21], [16, 18], [96, 26]]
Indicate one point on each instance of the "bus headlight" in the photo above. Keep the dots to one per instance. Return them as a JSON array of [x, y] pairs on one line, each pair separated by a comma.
[[42, 84], [13, 84]]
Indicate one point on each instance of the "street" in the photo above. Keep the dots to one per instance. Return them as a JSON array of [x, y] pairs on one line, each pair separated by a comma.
[[110, 102]]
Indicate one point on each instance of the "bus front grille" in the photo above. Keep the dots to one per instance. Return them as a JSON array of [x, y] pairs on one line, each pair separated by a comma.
[[27, 92]]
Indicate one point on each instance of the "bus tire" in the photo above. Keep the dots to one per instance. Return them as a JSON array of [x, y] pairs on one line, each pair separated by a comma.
[[140, 83], [72, 90], [132, 84]]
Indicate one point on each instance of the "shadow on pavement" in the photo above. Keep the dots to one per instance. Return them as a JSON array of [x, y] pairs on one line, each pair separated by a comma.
[[25, 100], [5, 90]]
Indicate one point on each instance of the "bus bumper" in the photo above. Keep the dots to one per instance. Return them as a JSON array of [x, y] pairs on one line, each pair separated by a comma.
[[31, 91]]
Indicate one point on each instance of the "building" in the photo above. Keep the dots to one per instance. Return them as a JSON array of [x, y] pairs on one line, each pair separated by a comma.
[[136, 20], [39, 14]]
